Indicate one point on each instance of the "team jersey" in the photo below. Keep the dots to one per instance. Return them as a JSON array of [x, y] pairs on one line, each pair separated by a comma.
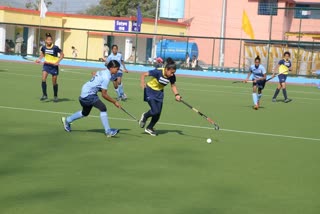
[[155, 86], [118, 57], [51, 54], [159, 80], [99, 81], [285, 63], [257, 72]]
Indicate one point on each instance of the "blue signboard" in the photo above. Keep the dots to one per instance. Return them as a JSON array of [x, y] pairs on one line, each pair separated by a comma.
[[121, 25], [135, 27]]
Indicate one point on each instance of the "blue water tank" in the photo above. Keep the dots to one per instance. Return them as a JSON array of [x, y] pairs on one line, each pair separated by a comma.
[[176, 50]]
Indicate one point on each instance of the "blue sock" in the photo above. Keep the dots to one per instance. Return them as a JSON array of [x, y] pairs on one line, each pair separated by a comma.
[[255, 98], [120, 87], [259, 96], [104, 120], [118, 92], [74, 117]]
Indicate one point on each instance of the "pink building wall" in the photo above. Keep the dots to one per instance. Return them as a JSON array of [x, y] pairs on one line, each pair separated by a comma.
[[206, 19]]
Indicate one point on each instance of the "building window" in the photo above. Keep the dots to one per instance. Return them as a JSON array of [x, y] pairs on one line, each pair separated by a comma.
[[307, 11], [268, 7]]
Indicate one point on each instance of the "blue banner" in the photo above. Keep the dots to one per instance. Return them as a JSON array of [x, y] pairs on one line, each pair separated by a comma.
[[135, 27], [121, 25]]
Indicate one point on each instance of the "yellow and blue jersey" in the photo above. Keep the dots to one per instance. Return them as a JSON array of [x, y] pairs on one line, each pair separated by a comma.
[[51, 53], [282, 63], [155, 86]]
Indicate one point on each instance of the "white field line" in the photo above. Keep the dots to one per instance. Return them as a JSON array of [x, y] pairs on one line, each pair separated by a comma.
[[182, 89], [172, 124]]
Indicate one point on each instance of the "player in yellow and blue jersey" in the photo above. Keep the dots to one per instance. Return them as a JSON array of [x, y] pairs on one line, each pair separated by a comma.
[[52, 55], [284, 66], [117, 78], [259, 80], [154, 94]]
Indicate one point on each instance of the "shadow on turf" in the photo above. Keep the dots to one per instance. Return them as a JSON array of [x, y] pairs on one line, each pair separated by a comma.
[[60, 100]]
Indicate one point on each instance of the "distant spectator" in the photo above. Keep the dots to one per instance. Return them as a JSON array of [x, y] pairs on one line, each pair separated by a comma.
[[19, 41], [74, 52], [194, 62], [133, 56], [8, 47], [159, 62], [187, 62], [105, 51]]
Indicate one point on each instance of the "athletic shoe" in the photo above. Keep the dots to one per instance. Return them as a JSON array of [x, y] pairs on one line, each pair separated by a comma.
[[274, 100], [256, 107], [143, 120], [112, 132], [287, 100], [55, 99], [124, 97], [66, 125], [44, 97], [150, 132]]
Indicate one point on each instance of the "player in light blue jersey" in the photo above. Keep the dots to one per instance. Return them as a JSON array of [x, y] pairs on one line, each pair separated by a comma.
[[117, 78], [259, 80], [89, 98]]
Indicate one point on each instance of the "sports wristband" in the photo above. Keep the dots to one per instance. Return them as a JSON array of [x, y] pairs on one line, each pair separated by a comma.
[[176, 95]]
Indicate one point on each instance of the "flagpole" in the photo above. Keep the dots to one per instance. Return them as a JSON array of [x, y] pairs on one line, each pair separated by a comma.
[[39, 34], [153, 55]]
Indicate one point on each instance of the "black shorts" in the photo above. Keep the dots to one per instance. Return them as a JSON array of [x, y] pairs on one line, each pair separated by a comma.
[[260, 84]]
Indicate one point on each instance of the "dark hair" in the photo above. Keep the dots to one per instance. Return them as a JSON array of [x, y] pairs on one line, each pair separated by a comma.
[[114, 46], [105, 44], [257, 58], [287, 52], [48, 35], [170, 64], [112, 64], [73, 47]]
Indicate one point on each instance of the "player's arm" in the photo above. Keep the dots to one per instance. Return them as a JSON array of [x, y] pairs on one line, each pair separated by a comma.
[[93, 73], [106, 96], [142, 79], [124, 66], [40, 57], [60, 58], [276, 69], [175, 92], [248, 76]]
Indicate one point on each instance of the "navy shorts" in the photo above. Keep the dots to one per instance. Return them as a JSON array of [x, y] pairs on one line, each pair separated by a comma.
[[260, 84], [282, 78], [114, 77], [89, 100], [51, 69]]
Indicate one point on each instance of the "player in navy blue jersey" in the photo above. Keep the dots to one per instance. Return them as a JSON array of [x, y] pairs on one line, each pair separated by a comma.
[[259, 80], [284, 66], [154, 94], [53, 55], [117, 78], [89, 98]]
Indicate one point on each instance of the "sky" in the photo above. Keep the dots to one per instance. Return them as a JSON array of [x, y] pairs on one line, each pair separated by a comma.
[[67, 6]]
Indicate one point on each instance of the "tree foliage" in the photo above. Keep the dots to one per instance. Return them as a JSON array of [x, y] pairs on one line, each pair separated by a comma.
[[34, 4], [120, 8]]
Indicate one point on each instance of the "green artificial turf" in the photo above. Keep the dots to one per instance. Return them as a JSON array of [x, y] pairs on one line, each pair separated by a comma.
[[260, 162]]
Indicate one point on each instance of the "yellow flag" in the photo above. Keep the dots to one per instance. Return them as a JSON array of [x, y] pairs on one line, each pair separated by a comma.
[[246, 25]]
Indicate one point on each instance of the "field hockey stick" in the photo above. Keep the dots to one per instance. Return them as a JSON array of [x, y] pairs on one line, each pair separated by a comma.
[[242, 81], [275, 76], [133, 117], [216, 127]]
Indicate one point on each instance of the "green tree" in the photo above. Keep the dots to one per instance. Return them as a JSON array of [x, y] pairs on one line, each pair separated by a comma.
[[34, 4], [123, 8]]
